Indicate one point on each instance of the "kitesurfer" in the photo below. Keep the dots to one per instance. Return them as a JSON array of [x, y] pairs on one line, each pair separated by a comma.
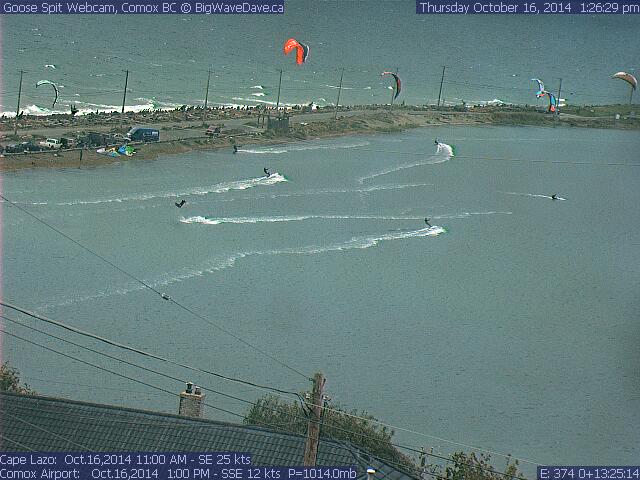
[[554, 196], [182, 202], [235, 149], [267, 172], [426, 220], [436, 141]]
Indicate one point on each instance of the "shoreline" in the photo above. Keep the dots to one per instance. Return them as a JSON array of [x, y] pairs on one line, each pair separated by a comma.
[[241, 130]]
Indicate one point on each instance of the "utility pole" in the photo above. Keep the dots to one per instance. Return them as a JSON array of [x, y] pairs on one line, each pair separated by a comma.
[[15, 128], [313, 429], [444, 67], [279, 85], [558, 105], [206, 100], [335, 117], [124, 97], [423, 461]]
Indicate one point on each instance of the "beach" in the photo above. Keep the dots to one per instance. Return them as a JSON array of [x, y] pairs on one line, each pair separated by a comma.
[[184, 131]]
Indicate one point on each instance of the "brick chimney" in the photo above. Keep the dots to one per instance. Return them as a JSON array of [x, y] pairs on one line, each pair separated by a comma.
[[191, 401]]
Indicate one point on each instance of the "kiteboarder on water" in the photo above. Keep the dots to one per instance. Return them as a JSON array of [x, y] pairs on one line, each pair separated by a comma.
[[235, 149], [436, 141], [182, 202], [426, 220], [267, 172], [554, 196]]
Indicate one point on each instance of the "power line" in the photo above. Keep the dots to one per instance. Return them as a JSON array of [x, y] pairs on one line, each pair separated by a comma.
[[74, 384], [189, 426], [119, 359], [395, 427], [189, 310], [405, 447], [524, 160], [139, 351], [295, 417], [45, 430], [162, 295], [206, 387], [128, 378], [185, 307], [556, 162], [17, 443], [109, 371]]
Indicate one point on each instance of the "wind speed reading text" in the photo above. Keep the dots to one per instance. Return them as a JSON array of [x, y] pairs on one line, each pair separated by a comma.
[[157, 466]]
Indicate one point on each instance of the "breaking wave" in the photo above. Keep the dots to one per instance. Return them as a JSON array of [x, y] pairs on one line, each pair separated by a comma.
[[224, 262], [535, 195], [289, 218], [296, 147], [222, 187], [443, 153]]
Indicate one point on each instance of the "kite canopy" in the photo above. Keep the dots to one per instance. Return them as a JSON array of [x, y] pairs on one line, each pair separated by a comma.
[[627, 77], [302, 50], [553, 101], [398, 83], [126, 150], [541, 91], [47, 82]]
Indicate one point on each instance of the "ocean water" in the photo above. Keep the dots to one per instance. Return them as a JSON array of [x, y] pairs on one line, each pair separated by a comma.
[[488, 58], [511, 324]]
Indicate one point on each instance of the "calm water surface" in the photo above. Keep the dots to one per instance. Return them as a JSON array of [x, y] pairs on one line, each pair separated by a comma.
[[511, 325]]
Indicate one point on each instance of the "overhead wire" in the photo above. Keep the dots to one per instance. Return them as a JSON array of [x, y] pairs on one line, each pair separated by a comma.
[[147, 286], [351, 432], [140, 351], [37, 427], [129, 378], [108, 370], [17, 443], [186, 308], [126, 362], [524, 160], [160, 294]]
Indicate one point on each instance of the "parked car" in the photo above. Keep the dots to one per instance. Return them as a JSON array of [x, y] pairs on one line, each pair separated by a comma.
[[51, 143], [13, 149], [32, 147], [212, 130], [68, 142], [144, 134], [93, 139]]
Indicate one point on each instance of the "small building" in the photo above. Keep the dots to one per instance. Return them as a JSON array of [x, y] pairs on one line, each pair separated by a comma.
[[279, 124]]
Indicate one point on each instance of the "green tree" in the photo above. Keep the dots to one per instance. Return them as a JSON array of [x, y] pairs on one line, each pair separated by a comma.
[[337, 424], [10, 380], [471, 467], [363, 431]]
